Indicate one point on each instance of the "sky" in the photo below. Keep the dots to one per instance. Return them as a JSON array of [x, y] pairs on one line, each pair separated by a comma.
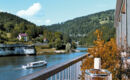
[[48, 12]]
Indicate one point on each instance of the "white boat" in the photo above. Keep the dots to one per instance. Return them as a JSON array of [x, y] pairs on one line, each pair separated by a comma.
[[35, 64]]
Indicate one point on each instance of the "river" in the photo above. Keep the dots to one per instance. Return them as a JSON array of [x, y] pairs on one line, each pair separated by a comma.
[[10, 67]]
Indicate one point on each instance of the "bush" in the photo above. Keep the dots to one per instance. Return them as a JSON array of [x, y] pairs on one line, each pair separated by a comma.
[[108, 53]]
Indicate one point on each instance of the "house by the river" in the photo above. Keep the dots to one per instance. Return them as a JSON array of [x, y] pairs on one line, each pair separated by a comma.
[[17, 49], [22, 36]]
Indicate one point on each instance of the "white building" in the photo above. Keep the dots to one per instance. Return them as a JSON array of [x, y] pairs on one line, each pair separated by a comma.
[[122, 24]]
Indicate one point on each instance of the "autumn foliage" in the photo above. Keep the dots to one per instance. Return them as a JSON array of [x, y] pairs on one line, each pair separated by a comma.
[[109, 54]]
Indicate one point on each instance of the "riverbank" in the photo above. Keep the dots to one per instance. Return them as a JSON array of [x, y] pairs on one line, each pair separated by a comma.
[[50, 51], [11, 65], [47, 50], [25, 50], [54, 51]]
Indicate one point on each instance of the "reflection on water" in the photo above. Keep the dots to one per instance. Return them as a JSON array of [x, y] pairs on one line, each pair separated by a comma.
[[10, 67]]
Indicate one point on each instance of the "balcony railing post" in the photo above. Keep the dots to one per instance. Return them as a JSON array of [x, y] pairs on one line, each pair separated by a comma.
[[75, 72], [62, 77], [70, 72], [59, 75], [55, 76], [67, 73]]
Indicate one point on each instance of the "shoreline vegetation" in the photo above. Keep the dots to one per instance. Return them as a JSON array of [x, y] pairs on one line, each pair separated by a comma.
[[54, 51], [43, 49], [45, 52], [40, 50]]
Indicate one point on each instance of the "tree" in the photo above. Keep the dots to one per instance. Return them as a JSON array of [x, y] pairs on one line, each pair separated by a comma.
[[8, 26], [58, 43], [74, 45], [108, 53], [22, 27], [58, 35], [66, 39], [68, 47]]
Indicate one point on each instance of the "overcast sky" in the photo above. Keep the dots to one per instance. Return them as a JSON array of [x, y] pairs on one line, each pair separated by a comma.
[[47, 12]]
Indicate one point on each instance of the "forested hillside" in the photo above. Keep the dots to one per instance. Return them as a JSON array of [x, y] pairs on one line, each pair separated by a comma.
[[79, 29], [11, 26], [82, 28]]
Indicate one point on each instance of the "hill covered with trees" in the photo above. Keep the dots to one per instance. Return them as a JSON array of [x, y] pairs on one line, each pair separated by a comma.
[[79, 29], [82, 28], [11, 26]]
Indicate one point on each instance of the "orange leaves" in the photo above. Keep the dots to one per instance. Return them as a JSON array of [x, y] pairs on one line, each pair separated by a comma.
[[108, 53], [98, 33]]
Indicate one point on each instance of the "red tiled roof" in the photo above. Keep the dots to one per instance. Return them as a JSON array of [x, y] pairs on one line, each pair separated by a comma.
[[23, 34]]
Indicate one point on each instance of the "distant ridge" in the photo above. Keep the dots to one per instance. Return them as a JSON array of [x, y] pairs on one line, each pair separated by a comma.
[[85, 26]]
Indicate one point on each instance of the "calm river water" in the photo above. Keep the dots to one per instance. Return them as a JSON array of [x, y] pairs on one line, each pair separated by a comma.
[[10, 67]]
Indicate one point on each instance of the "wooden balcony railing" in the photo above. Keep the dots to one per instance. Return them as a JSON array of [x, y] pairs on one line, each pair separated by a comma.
[[69, 70]]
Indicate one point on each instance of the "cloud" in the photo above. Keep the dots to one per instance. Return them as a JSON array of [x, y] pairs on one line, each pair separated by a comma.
[[48, 21], [32, 10]]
